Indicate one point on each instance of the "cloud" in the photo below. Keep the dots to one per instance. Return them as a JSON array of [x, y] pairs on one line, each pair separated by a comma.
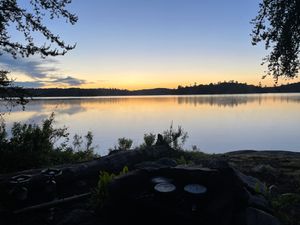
[[30, 84], [43, 72], [71, 81], [68, 81], [34, 68]]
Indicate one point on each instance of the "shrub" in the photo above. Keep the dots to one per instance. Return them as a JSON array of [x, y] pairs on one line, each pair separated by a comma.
[[100, 194], [286, 207], [149, 139], [175, 138], [181, 160], [124, 143], [33, 146]]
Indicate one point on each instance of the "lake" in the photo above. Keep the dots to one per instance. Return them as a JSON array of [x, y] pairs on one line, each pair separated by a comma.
[[215, 123]]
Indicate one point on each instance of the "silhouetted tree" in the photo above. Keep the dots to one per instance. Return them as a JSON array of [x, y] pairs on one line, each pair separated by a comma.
[[278, 25], [28, 21], [10, 95]]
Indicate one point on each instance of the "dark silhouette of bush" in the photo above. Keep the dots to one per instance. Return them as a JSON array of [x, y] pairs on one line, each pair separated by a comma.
[[34, 146], [124, 143], [175, 138], [149, 140]]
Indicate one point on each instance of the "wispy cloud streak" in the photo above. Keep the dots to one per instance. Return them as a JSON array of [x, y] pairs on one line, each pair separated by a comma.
[[43, 72]]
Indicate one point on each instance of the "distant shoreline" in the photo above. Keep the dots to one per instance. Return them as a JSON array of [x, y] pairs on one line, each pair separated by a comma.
[[145, 95], [210, 89]]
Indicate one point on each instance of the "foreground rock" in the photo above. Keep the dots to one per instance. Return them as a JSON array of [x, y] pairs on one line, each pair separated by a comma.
[[70, 180], [228, 198], [232, 197]]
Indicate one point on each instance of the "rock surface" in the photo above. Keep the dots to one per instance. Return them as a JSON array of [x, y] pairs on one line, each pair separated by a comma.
[[227, 196], [259, 217], [246, 192]]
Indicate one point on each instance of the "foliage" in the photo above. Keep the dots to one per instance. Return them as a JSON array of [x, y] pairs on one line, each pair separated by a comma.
[[29, 22], [149, 140], [100, 194], [227, 87], [89, 141], [33, 146], [195, 148], [182, 161], [192, 157], [284, 207], [124, 143], [9, 94], [278, 25], [261, 188], [175, 138]]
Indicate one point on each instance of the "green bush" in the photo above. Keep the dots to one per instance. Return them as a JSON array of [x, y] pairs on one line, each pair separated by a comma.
[[181, 160], [124, 143], [100, 193], [33, 146], [175, 138], [286, 207], [149, 139]]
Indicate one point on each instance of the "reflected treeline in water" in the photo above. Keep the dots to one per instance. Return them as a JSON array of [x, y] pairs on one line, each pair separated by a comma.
[[90, 102], [61, 106], [65, 105], [221, 101], [43, 107], [290, 98], [236, 100], [70, 106]]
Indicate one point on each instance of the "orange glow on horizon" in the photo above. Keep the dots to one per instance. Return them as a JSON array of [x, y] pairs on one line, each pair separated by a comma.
[[269, 82]]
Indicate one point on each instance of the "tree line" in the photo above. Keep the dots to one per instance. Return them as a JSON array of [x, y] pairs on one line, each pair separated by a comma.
[[231, 87]]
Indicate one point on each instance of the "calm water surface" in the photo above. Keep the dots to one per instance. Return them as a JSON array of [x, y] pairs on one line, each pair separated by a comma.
[[215, 123]]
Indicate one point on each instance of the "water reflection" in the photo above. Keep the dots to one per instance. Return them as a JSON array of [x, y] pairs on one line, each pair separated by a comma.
[[215, 123], [220, 101], [236, 100], [75, 105], [72, 106]]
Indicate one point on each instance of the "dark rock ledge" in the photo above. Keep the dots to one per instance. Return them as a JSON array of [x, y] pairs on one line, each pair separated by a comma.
[[232, 197]]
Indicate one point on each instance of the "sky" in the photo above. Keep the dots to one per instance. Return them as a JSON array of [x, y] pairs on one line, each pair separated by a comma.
[[137, 44]]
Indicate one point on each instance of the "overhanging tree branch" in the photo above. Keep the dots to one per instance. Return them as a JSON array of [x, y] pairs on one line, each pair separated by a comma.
[[29, 21], [278, 26]]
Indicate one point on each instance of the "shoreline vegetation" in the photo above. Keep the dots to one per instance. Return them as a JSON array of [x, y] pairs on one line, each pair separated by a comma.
[[230, 87]]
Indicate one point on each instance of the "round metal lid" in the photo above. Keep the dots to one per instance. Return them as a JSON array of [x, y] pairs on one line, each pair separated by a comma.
[[196, 189], [165, 187]]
